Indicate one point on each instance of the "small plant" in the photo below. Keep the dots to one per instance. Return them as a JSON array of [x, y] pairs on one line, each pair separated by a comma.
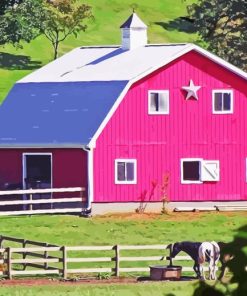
[[145, 197], [104, 276], [165, 198]]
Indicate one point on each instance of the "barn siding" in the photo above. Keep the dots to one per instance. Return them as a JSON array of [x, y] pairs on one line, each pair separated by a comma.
[[69, 166], [158, 142]]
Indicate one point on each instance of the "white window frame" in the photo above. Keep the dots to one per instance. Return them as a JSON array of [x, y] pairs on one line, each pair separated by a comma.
[[163, 112], [129, 160], [222, 91], [24, 165], [201, 161], [182, 171]]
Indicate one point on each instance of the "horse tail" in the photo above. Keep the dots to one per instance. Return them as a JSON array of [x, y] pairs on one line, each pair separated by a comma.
[[216, 249]]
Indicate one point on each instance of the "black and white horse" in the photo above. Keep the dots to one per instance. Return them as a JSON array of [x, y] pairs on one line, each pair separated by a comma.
[[200, 252]]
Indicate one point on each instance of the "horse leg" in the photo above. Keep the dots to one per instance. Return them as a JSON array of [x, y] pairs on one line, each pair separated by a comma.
[[197, 270], [222, 271], [202, 275], [215, 263], [211, 269]]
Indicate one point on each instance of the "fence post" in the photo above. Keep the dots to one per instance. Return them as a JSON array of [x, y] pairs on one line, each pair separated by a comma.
[[64, 253], [117, 260], [9, 271], [24, 255], [46, 256], [31, 199]]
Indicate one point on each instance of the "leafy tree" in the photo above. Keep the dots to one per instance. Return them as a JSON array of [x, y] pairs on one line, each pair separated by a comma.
[[223, 26], [56, 19], [4, 4], [18, 23], [238, 267]]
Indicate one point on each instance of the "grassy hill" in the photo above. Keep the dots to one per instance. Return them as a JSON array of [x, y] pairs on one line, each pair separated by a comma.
[[163, 17]]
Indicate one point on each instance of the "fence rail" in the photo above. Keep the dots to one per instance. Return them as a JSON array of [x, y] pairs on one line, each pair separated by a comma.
[[28, 199], [43, 258]]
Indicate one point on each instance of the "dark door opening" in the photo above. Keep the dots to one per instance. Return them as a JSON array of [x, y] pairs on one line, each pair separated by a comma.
[[38, 175]]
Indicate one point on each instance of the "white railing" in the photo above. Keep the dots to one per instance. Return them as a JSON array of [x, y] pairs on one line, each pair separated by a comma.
[[28, 200]]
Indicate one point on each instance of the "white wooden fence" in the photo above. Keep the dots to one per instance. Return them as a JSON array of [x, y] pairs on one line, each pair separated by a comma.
[[28, 198], [46, 259]]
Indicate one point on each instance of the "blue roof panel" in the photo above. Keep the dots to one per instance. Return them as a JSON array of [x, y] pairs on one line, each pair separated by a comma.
[[59, 114]]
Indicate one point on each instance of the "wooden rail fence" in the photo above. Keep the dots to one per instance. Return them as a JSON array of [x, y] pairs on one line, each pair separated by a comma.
[[28, 198], [46, 259]]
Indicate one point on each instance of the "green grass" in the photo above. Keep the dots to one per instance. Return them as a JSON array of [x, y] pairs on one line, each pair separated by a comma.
[[104, 29], [120, 229], [142, 289], [109, 230]]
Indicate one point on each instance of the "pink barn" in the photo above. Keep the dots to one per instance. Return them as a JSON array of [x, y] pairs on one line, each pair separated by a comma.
[[119, 119]]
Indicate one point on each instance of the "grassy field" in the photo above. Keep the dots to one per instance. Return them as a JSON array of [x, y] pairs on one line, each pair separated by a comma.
[[161, 16], [124, 229], [121, 229]]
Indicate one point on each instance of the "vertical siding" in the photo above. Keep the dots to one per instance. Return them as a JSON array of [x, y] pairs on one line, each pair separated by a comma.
[[189, 131], [69, 166]]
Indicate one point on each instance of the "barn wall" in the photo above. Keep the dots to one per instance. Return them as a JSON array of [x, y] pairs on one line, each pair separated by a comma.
[[159, 142], [69, 166]]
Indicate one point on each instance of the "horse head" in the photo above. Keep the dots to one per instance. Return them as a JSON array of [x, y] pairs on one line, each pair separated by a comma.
[[174, 249]]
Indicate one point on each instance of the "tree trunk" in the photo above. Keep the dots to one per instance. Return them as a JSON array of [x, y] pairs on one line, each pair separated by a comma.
[[55, 46]]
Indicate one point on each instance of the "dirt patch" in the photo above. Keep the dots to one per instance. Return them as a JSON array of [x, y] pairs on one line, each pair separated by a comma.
[[170, 216], [84, 281], [48, 282]]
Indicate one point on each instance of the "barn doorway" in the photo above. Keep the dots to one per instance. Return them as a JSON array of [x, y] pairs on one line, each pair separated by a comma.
[[37, 174]]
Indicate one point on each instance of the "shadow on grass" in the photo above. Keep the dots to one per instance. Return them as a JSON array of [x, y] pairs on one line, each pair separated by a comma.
[[17, 62], [181, 24]]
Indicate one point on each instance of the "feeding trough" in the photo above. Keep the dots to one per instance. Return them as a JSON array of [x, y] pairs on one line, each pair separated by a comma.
[[165, 272]]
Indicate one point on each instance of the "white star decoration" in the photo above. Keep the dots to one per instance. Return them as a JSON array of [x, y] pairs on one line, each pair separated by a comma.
[[191, 90]]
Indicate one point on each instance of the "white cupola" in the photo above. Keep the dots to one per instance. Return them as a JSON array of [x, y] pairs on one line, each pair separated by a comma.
[[134, 33]]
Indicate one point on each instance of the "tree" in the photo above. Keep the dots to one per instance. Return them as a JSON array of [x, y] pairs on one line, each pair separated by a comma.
[[56, 19], [223, 26], [17, 24], [4, 4]]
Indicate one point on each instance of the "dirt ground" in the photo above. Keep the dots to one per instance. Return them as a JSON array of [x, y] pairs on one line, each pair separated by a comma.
[[176, 216], [90, 281]]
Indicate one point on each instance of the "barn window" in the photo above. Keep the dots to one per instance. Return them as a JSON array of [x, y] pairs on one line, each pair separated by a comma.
[[222, 101], [196, 170], [125, 171], [158, 102]]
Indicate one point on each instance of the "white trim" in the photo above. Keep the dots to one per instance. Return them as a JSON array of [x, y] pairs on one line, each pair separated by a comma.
[[182, 160], [166, 92], [90, 178], [129, 160], [92, 142], [204, 168], [187, 49], [24, 166], [221, 62], [225, 90]]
